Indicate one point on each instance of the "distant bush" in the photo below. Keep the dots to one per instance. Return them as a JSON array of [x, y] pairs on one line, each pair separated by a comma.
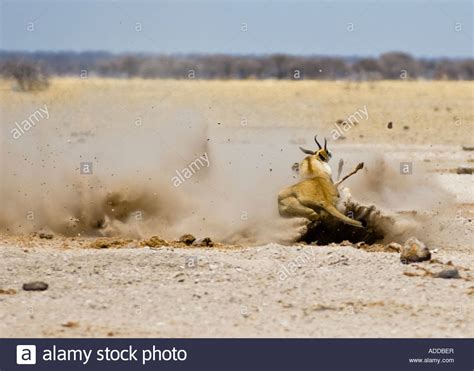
[[31, 72], [27, 75]]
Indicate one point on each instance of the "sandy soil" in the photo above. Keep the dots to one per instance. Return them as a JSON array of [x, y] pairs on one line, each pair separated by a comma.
[[252, 287], [334, 292]]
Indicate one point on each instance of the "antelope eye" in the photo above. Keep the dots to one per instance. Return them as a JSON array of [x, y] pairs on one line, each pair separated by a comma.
[[321, 157]]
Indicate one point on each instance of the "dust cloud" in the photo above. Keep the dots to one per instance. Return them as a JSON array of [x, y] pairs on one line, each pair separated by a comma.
[[148, 180], [143, 181], [408, 204]]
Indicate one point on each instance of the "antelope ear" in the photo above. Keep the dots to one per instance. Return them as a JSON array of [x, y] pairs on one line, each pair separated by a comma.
[[307, 151]]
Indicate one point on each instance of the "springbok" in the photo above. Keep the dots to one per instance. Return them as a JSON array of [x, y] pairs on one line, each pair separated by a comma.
[[315, 195]]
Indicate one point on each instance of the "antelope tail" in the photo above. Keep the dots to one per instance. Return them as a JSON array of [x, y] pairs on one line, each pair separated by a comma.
[[337, 214]]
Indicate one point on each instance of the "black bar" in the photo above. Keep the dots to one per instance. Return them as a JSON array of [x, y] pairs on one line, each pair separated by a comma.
[[247, 354]]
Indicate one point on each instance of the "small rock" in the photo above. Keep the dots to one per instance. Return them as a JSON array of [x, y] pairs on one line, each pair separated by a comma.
[[187, 239], [406, 127], [390, 125], [468, 148], [35, 286], [47, 236], [206, 241], [464, 170], [414, 251], [70, 324], [448, 273]]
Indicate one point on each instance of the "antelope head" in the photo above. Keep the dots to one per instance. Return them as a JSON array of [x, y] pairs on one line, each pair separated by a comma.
[[322, 154], [317, 162]]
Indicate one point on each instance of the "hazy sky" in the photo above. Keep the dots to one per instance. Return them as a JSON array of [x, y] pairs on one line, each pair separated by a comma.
[[422, 28]]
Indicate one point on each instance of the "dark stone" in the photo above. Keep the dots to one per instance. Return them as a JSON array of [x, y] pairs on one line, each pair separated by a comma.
[[464, 170], [47, 236], [35, 286], [448, 273], [188, 239]]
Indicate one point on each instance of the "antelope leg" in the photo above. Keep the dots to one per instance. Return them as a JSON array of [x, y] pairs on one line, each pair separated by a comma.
[[357, 168]]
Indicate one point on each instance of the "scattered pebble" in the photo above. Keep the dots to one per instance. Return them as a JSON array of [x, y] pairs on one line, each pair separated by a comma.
[[187, 239], [70, 324], [47, 236], [468, 148], [35, 286], [206, 241], [447, 273], [390, 125], [464, 170]]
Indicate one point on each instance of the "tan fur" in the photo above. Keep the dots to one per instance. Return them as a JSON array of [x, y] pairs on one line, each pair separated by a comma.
[[315, 195]]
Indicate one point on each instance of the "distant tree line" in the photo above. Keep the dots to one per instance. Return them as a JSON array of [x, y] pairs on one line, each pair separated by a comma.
[[394, 65]]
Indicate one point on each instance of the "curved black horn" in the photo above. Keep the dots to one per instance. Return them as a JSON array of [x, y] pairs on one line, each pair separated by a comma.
[[316, 140], [307, 151], [325, 143]]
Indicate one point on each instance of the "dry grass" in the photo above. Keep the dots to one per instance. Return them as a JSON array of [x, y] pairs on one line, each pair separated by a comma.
[[435, 112]]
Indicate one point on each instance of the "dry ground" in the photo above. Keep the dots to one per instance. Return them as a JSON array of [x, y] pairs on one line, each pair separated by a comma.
[[438, 112], [242, 291]]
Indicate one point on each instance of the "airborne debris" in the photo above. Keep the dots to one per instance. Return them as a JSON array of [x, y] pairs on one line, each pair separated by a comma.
[[331, 230], [414, 251]]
